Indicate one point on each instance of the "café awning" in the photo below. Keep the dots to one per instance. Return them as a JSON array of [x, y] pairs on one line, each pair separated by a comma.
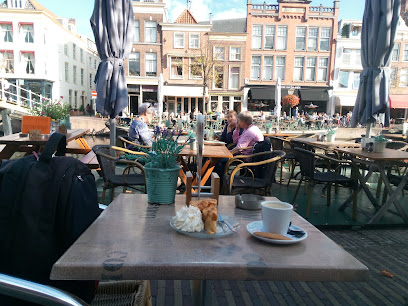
[[398, 101], [262, 93], [314, 94]]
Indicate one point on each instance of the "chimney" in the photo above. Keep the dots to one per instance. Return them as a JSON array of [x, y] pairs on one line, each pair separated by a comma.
[[211, 18], [337, 4]]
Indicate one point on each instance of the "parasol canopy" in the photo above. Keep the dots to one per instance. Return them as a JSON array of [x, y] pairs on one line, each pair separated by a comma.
[[112, 23], [377, 42]]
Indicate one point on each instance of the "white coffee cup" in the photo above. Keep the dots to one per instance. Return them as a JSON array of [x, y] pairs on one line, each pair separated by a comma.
[[276, 216]]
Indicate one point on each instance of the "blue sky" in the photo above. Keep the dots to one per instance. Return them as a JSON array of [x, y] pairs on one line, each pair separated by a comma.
[[81, 10]]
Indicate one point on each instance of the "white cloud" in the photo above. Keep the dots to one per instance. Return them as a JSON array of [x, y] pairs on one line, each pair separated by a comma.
[[231, 14], [200, 10]]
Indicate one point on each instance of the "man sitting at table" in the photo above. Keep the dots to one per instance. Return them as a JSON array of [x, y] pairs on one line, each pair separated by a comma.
[[139, 131], [251, 133]]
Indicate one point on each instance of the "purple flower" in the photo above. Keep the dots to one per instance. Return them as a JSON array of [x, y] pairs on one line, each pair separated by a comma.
[[42, 113], [62, 97], [43, 99]]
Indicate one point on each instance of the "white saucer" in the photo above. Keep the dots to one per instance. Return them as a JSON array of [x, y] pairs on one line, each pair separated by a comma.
[[257, 226]]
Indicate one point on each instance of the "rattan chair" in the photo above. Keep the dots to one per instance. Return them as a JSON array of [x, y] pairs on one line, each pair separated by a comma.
[[118, 293], [306, 160], [107, 160], [256, 175], [130, 145], [282, 144], [397, 145]]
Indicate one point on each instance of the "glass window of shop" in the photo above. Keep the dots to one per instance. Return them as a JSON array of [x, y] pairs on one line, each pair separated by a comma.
[[225, 104], [186, 105], [237, 104], [214, 103]]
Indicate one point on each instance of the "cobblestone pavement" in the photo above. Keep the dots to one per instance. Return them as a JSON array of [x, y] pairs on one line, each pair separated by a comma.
[[378, 249]]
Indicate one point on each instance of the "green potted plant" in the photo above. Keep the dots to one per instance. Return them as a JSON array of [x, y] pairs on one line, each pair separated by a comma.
[[57, 110], [331, 134], [380, 143], [161, 167], [192, 141]]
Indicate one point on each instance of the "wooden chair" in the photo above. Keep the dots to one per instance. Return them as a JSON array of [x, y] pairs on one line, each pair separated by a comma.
[[107, 160], [128, 144], [254, 175], [306, 160]]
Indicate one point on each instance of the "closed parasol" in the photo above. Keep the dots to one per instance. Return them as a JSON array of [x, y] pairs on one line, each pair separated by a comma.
[[112, 23]]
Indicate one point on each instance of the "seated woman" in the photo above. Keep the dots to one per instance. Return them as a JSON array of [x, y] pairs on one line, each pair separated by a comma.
[[251, 133], [139, 131], [229, 128]]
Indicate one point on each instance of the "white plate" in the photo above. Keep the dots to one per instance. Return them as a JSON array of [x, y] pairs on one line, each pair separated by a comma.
[[222, 229], [257, 226]]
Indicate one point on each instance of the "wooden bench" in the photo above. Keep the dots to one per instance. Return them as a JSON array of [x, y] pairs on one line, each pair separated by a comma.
[[91, 161]]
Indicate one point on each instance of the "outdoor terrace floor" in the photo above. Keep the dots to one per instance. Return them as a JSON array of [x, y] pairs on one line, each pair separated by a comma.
[[383, 247]]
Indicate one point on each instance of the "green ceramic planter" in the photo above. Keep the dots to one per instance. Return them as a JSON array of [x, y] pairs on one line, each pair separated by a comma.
[[161, 185]]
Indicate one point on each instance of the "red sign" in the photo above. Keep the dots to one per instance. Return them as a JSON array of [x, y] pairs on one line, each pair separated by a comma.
[[94, 94]]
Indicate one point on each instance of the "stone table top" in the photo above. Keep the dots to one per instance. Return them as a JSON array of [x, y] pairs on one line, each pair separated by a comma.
[[132, 239]]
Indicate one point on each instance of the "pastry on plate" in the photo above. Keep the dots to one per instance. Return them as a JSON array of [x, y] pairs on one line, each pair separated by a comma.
[[208, 208]]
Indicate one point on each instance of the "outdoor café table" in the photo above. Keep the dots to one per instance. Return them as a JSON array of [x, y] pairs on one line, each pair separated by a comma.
[[133, 240], [396, 136], [379, 162], [313, 142], [23, 143], [290, 134], [213, 152]]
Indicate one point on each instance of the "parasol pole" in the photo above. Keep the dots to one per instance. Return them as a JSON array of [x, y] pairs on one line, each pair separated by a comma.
[[368, 130], [112, 127], [200, 146]]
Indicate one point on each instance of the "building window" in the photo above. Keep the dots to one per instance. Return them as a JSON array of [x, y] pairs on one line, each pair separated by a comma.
[[395, 53], [310, 68], [325, 39], [269, 37], [74, 74], [257, 37], [151, 64], [66, 72], [323, 68], [356, 80], [282, 36], [280, 67], [312, 39], [298, 72], [267, 68], [225, 104], [136, 34], [256, 67], [95, 64], [405, 54], [82, 76], [219, 53], [81, 55], [194, 41], [150, 31], [134, 64], [74, 51], [196, 69], [28, 33], [237, 104], [8, 58], [70, 97], [29, 62], [351, 57], [90, 62], [6, 32], [343, 79], [404, 78], [300, 38], [66, 50], [178, 40], [219, 77], [234, 78], [176, 68], [394, 75], [75, 98], [90, 80], [235, 53]]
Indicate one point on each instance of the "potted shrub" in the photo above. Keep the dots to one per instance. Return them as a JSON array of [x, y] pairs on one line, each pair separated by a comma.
[[57, 110], [379, 143], [291, 101], [161, 167], [268, 127], [331, 134]]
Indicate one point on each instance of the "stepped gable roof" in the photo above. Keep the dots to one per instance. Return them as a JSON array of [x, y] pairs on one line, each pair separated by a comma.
[[186, 18], [237, 25]]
